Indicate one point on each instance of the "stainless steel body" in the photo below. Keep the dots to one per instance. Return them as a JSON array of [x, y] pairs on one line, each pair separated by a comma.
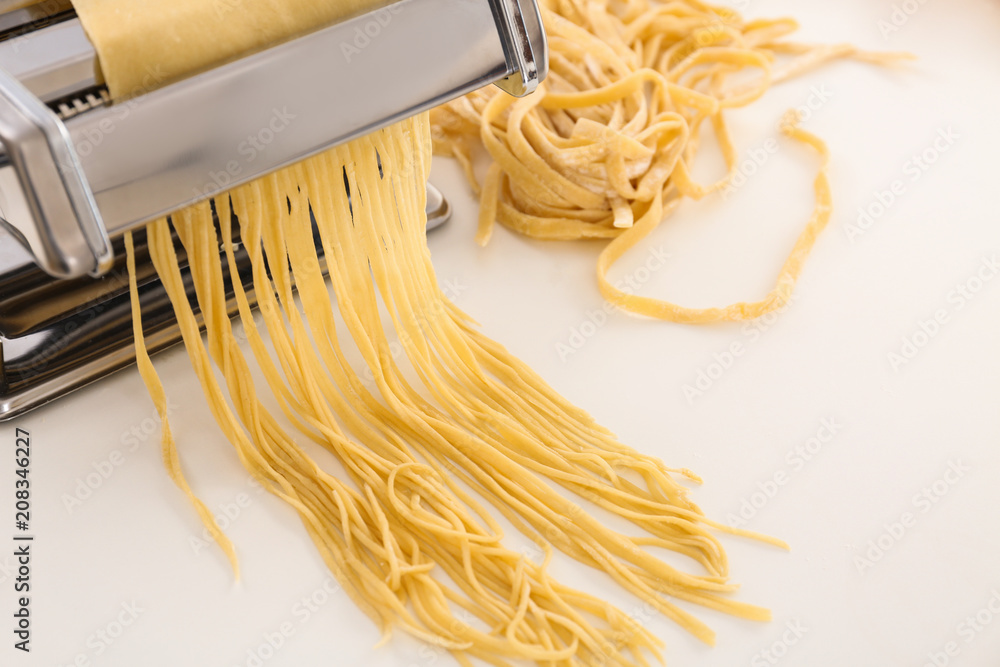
[[77, 171], [176, 145], [59, 335]]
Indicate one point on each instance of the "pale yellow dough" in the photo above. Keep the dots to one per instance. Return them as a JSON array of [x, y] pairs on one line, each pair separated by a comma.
[[409, 544], [146, 44], [604, 149]]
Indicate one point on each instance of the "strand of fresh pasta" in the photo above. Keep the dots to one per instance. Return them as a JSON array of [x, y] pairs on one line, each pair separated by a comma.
[[419, 336], [488, 421], [411, 546], [398, 262], [523, 411], [604, 148], [568, 631], [303, 271], [159, 397]]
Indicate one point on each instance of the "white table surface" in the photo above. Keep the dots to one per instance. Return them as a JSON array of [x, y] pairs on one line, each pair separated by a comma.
[[125, 553]]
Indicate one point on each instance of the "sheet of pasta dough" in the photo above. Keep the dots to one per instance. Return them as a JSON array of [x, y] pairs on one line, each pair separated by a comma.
[[145, 44]]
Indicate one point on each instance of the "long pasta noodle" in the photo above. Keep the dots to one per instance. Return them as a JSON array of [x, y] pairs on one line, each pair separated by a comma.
[[495, 426], [411, 545], [604, 149]]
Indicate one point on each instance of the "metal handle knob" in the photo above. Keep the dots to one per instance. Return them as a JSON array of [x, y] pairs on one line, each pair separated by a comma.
[[66, 234]]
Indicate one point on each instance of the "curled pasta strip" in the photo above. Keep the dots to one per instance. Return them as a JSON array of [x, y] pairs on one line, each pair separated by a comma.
[[410, 544], [434, 427], [604, 149]]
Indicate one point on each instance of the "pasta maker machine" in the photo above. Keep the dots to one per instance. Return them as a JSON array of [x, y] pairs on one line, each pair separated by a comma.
[[77, 171]]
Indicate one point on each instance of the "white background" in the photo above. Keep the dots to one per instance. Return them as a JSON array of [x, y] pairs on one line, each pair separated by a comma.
[[826, 357]]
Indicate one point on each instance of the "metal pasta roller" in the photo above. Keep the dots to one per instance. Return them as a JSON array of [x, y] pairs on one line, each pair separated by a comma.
[[76, 172]]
